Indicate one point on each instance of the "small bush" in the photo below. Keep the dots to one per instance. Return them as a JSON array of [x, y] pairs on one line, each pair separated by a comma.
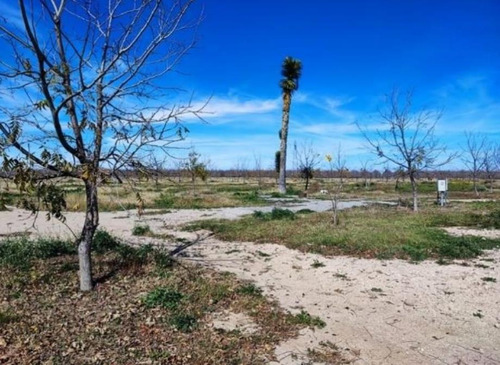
[[275, 214], [305, 318], [459, 248], [20, 252], [104, 242], [184, 322], [164, 201], [163, 297], [141, 230], [248, 197], [304, 211], [162, 259], [416, 253], [317, 264], [134, 257], [250, 289]]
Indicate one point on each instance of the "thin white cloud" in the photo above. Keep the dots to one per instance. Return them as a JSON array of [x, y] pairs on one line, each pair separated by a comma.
[[218, 107]]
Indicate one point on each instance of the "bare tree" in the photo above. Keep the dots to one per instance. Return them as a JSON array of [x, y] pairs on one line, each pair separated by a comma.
[[157, 166], [306, 160], [258, 168], [365, 174], [491, 162], [474, 154], [337, 163], [88, 81], [407, 139]]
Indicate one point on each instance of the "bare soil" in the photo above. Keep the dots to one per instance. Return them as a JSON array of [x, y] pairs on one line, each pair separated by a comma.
[[376, 312]]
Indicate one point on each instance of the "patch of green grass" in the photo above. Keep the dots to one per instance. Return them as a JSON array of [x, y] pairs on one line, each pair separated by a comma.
[[489, 279], [184, 322], [250, 289], [304, 211], [306, 319], [166, 298], [20, 252], [134, 257], [164, 201], [275, 214], [251, 197], [104, 242], [376, 290], [141, 230], [374, 231]]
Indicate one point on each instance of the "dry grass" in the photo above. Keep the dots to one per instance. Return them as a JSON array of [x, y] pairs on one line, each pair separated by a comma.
[[139, 313]]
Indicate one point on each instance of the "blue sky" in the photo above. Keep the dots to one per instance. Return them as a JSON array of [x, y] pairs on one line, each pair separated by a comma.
[[353, 53]]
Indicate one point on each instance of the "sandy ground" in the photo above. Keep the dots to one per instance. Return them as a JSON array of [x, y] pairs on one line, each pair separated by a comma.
[[377, 312]]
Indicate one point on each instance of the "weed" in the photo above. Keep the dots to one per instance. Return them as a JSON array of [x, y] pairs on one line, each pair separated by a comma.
[[416, 253], [20, 252], [163, 297], [459, 247], [304, 211], [488, 259], [341, 276], [489, 279], [482, 266], [183, 322], [275, 214], [7, 317], [132, 257], [478, 314], [262, 254], [376, 290], [104, 242], [316, 264], [232, 251], [442, 261], [250, 289], [140, 230], [165, 201], [156, 355], [249, 197], [305, 318], [162, 259]]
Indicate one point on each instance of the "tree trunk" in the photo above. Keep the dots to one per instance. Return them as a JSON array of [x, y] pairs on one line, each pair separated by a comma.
[[414, 192], [85, 242], [474, 182], [287, 98]]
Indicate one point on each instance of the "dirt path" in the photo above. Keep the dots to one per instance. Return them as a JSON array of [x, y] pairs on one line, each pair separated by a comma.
[[377, 312]]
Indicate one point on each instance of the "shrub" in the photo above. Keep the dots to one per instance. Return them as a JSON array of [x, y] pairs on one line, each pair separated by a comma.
[[141, 230], [250, 289], [163, 297], [20, 252], [305, 318], [104, 242], [275, 214]]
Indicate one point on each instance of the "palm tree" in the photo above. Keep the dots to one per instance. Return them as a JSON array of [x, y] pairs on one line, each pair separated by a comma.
[[291, 70]]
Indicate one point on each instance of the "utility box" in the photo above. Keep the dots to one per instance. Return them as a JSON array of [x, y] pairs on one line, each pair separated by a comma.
[[442, 188], [442, 185]]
